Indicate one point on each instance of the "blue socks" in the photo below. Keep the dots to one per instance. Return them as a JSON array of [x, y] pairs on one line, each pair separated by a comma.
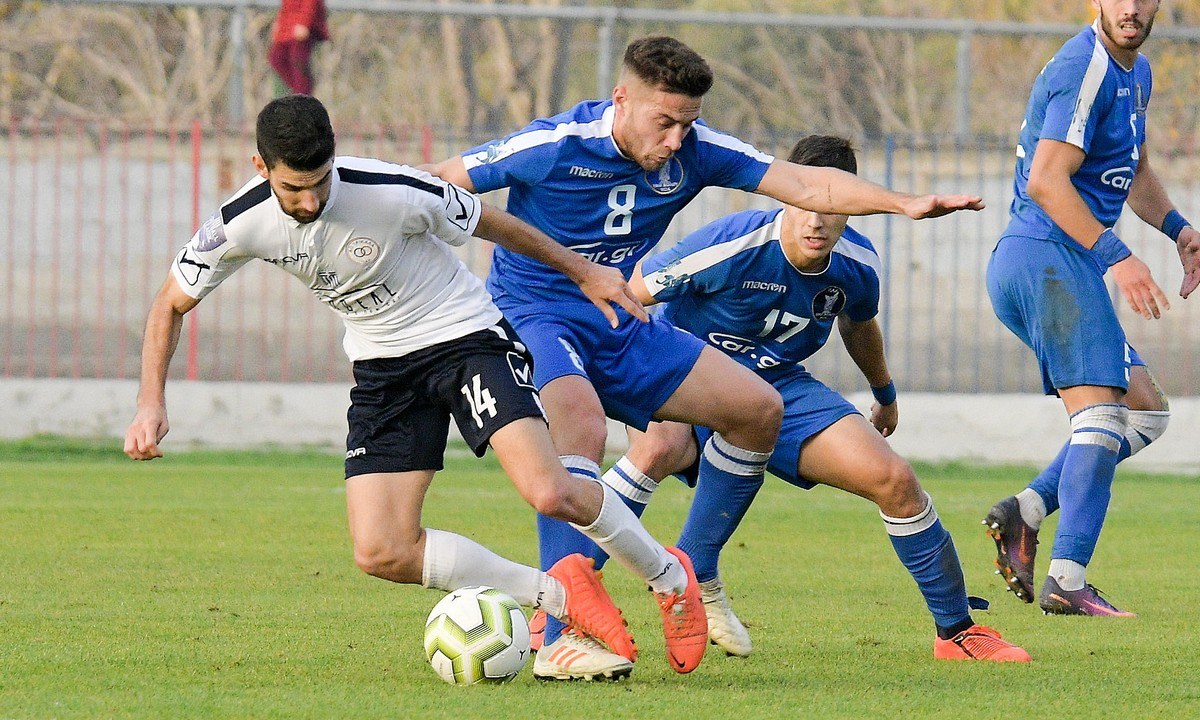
[[557, 539], [1085, 482], [729, 479], [927, 550], [1145, 426]]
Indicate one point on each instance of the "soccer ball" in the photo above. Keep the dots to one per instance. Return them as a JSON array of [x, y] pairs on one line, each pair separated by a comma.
[[477, 634]]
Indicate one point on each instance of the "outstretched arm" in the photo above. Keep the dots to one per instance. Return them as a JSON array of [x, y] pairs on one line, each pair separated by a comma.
[[829, 190], [1054, 162], [604, 286], [1149, 200], [163, 324], [864, 343]]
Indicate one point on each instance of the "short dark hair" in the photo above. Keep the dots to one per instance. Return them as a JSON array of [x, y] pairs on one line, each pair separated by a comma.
[[825, 151], [667, 64], [295, 129]]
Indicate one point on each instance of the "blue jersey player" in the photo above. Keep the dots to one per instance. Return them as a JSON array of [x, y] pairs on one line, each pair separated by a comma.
[[1081, 156], [605, 178], [766, 288]]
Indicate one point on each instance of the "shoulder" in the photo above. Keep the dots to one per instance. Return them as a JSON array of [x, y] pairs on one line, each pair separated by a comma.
[[710, 140], [733, 235], [856, 249], [585, 121], [411, 184], [253, 195], [743, 223], [1081, 59]]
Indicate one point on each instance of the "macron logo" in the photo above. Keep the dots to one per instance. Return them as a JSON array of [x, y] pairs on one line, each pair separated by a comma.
[[760, 285], [580, 171]]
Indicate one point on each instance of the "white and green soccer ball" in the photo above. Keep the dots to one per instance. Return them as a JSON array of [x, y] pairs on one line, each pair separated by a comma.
[[477, 634]]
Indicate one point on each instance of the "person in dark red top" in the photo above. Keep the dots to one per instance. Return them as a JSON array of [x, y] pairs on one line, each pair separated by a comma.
[[299, 25]]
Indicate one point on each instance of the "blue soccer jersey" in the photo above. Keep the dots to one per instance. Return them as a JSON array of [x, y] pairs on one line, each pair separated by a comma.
[[730, 284], [1085, 98], [567, 178]]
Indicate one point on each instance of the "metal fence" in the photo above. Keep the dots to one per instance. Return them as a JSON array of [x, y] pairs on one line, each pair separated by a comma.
[[95, 210]]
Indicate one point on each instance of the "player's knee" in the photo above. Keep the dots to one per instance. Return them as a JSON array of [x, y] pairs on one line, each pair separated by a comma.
[[760, 414], [898, 494], [659, 456], [1145, 426], [388, 560], [580, 431], [554, 499]]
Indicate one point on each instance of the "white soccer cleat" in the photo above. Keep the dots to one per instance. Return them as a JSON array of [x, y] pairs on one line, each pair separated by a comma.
[[724, 629], [576, 657]]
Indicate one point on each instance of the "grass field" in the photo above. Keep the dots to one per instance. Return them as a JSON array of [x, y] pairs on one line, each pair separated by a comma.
[[221, 585]]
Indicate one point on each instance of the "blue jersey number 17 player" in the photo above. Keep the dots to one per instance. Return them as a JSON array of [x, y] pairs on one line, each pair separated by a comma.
[[767, 288]]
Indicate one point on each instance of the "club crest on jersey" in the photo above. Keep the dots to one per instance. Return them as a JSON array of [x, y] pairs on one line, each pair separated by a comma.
[[1139, 99], [363, 250], [667, 179], [828, 303]]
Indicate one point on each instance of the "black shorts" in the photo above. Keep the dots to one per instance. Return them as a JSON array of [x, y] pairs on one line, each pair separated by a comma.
[[400, 407]]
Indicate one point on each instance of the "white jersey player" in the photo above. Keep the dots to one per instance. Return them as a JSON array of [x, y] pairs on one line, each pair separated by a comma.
[[371, 239]]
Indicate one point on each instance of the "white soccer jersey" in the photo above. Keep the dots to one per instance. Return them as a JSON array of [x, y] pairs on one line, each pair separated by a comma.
[[379, 255]]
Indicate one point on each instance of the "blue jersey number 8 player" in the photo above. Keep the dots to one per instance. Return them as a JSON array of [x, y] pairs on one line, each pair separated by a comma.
[[605, 178], [1081, 156]]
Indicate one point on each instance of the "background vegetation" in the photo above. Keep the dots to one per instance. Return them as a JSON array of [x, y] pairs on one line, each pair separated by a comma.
[[481, 76]]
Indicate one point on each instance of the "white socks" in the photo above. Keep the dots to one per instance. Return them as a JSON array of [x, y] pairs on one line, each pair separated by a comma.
[[627, 479], [619, 533], [1069, 574], [452, 561], [1033, 509]]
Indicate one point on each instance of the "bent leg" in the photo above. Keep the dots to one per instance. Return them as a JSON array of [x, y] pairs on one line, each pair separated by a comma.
[[527, 456], [853, 456], [384, 511], [579, 431], [1149, 413]]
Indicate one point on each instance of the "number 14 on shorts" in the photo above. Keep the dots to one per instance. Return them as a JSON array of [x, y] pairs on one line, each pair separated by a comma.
[[480, 399]]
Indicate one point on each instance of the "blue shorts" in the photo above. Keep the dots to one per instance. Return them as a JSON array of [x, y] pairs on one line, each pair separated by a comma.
[[809, 407], [1053, 297], [633, 368]]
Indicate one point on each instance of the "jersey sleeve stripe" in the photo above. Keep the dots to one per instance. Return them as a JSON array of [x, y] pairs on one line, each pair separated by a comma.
[[710, 256], [601, 127], [240, 204], [858, 253], [1093, 77], [706, 134], [363, 177]]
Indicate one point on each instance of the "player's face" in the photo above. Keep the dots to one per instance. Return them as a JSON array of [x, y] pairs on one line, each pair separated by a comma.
[[1125, 24], [649, 125], [302, 194], [808, 237]]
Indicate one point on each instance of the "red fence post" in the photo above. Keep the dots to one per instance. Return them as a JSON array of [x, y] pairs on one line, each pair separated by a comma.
[[193, 323]]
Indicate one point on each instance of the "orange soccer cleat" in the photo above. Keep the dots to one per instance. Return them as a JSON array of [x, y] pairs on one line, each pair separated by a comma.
[[537, 630], [590, 611], [978, 642], [685, 626]]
